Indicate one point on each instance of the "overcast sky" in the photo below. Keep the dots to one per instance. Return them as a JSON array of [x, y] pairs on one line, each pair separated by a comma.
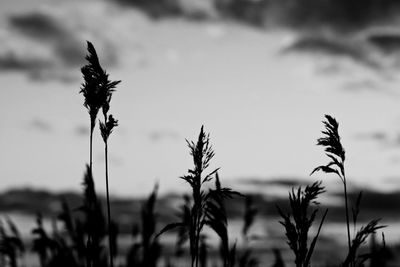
[[260, 91]]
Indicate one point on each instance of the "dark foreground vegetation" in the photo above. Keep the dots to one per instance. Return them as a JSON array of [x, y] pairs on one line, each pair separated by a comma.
[[89, 236]]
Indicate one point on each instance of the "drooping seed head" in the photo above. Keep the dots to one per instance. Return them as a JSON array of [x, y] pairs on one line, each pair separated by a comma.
[[333, 148]]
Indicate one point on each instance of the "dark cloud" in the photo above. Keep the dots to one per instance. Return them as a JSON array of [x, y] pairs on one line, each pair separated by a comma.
[[46, 46], [191, 9], [46, 29], [284, 181], [161, 135], [334, 47], [339, 15], [40, 125], [385, 42], [39, 26], [12, 62]]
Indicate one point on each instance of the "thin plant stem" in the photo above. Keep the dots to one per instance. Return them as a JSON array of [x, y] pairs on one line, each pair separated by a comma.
[[108, 205], [91, 147], [347, 212], [89, 241]]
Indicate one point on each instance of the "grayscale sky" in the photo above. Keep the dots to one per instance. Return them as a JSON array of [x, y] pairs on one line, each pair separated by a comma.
[[260, 91]]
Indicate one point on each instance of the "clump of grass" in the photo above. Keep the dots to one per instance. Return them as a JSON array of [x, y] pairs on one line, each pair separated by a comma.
[[331, 141], [246, 257], [204, 207], [147, 250], [43, 245], [11, 244], [74, 235], [298, 223], [379, 254], [94, 224], [352, 258]]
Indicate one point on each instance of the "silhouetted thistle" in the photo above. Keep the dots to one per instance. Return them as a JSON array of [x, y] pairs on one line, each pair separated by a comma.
[[298, 223], [96, 89], [335, 151], [204, 207]]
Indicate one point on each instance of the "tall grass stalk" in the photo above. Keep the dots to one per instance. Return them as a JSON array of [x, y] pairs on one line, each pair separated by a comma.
[[298, 223], [335, 151], [97, 90], [205, 206], [106, 129]]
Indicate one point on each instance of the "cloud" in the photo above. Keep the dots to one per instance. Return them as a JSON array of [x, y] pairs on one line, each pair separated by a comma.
[[12, 61], [283, 181], [378, 136], [39, 26], [387, 140], [40, 125], [47, 45], [82, 130], [191, 9], [335, 47], [387, 43], [161, 135], [49, 30]]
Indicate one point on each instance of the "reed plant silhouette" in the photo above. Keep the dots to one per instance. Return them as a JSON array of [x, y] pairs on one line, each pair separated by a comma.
[[298, 222], [43, 244], [75, 235], [94, 223], [246, 257], [11, 244], [331, 141], [380, 254], [97, 90], [106, 129], [353, 258], [205, 206], [335, 151], [146, 251]]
